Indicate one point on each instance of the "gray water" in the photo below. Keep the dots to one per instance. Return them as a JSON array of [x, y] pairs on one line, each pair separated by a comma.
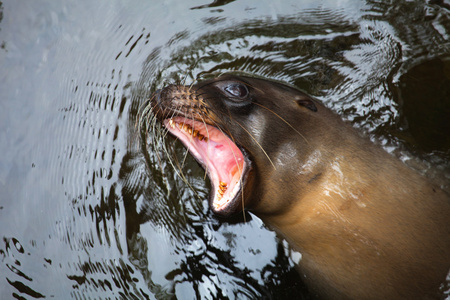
[[89, 211]]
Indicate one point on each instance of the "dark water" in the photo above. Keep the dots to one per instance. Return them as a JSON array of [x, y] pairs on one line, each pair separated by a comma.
[[89, 211]]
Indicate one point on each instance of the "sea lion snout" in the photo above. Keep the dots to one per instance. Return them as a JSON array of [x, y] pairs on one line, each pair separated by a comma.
[[195, 118]]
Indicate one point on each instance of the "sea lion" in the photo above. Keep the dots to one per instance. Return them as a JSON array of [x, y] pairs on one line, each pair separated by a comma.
[[367, 226]]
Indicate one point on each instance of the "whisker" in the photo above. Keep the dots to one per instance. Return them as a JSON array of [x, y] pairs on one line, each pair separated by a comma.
[[149, 123], [259, 145], [146, 108], [237, 164], [187, 152], [178, 168], [207, 134], [197, 110], [282, 119]]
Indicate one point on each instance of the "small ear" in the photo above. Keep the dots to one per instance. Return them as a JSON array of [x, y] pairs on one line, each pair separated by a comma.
[[308, 103]]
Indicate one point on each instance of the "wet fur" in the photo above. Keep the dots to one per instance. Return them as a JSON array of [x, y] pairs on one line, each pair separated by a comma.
[[368, 227]]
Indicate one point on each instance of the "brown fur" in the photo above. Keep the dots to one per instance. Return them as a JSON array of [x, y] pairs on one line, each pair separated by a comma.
[[367, 226]]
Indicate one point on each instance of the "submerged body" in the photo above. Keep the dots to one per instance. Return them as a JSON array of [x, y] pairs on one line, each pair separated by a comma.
[[367, 226]]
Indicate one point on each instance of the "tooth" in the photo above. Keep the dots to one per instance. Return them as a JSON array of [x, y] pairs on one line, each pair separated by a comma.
[[190, 130], [185, 127], [172, 123], [222, 188], [200, 137], [223, 184], [195, 133]]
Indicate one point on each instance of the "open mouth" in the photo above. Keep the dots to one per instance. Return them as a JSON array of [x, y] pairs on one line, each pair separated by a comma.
[[225, 164]]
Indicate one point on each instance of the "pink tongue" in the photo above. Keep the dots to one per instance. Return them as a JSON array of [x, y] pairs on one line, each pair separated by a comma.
[[221, 158]]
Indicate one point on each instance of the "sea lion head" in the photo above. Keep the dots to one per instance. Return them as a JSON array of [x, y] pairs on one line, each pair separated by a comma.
[[250, 135]]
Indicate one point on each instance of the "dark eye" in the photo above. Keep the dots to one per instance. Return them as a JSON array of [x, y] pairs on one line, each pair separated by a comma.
[[237, 90]]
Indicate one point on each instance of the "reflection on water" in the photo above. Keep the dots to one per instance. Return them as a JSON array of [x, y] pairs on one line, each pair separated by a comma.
[[13, 251], [89, 208]]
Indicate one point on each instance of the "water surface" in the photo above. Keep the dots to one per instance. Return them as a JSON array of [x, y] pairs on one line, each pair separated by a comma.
[[88, 210]]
